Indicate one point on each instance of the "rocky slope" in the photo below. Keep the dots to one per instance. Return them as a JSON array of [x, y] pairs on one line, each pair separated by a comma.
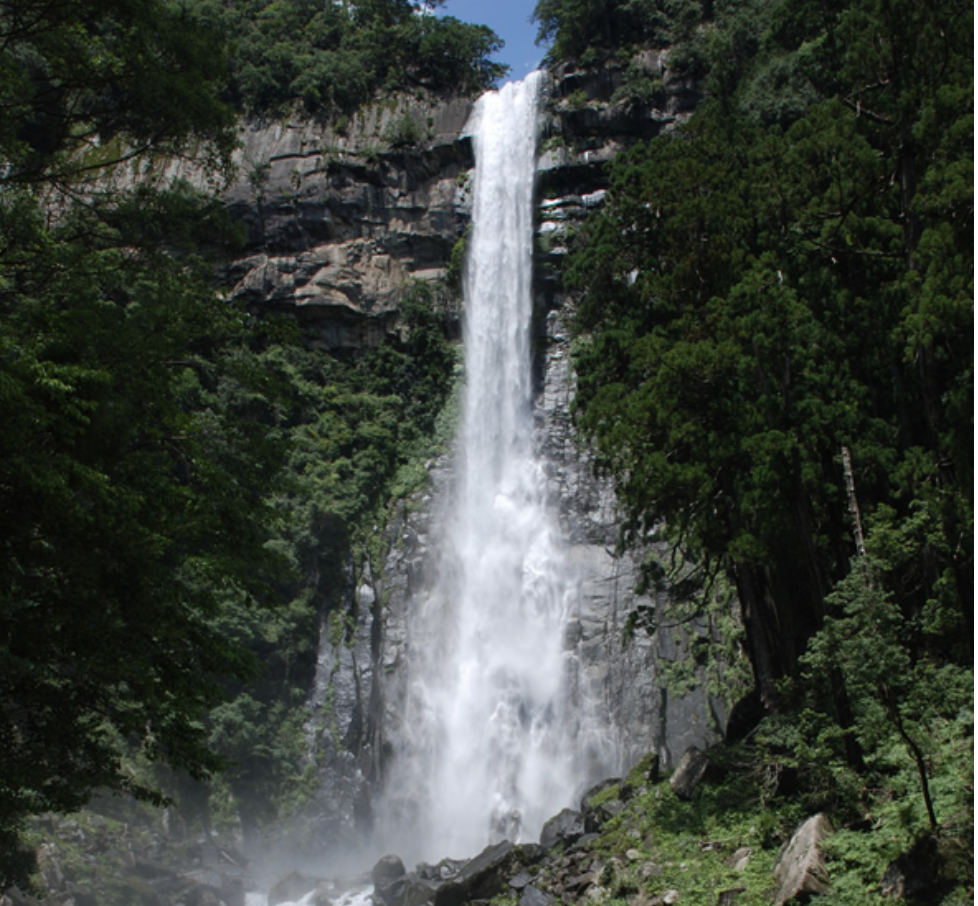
[[713, 831]]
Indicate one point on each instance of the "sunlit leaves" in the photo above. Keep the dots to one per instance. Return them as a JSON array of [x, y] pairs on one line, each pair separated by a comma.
[[332, 58]]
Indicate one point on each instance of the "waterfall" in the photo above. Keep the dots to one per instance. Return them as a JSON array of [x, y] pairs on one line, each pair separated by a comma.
[[490, 750]]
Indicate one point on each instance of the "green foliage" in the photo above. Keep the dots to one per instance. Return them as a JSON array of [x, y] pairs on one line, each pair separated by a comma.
[[639, 88], [131, 454], [585, 29], [577, 100], [691, 842], [358, 433], [128, 484], [730, 835], [456, 265], [608, 794], [83, 89], [907, 702], [750, 293], [332, 58], [403, 132], [788, 275]]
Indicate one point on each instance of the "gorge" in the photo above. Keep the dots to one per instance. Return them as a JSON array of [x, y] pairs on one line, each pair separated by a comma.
[[457, 495]]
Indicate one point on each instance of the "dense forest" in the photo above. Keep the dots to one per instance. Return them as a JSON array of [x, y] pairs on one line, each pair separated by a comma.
[[774, 349], [181, 482], [775, 323], [775, 359]]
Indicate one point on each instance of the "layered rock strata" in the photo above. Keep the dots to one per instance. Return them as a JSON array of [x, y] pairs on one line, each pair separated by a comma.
[[340, 221]]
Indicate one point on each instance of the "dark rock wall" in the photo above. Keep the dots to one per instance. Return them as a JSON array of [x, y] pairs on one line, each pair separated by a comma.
[[339, 222]]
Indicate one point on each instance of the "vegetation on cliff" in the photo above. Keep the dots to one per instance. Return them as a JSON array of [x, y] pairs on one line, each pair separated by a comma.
[[778, 290], [775, 359], [330, 58]]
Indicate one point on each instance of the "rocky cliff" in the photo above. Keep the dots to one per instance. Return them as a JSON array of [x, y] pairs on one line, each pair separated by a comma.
[[339, 222], [340, 218]]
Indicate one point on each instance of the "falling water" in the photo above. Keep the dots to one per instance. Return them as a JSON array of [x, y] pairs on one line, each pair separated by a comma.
[[489, 725]]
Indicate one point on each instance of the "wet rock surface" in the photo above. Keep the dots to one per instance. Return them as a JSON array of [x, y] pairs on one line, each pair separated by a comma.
[[128, 858]]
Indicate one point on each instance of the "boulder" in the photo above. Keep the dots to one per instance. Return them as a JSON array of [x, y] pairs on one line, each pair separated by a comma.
[[800, 870], [596, 815], [913, 872], [533, 896], [521, 881], [689, 772], [293, 886], [566, 827], [415, 891], [482, 877], [599, 804], [739, 859], [445, 870], [531, 853], [389, 878]]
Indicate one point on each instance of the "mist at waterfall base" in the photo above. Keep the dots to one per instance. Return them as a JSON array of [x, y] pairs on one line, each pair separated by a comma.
[[488, 748]]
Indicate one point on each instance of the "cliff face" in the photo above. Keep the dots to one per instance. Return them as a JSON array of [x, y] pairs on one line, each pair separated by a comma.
[[338, 222]]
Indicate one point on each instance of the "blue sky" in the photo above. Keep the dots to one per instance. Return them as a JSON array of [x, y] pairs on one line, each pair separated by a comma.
[[510, 19]]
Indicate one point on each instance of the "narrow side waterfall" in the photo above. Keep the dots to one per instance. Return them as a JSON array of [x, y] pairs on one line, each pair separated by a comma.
[[491, 754]]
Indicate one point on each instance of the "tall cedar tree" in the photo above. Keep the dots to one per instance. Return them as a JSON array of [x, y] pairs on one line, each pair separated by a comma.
[[776, 281]]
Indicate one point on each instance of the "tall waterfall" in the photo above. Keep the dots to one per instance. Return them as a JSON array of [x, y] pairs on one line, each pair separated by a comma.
[[486, 716]]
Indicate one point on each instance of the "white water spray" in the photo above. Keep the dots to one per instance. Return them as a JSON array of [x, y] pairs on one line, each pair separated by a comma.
[[486, 713]]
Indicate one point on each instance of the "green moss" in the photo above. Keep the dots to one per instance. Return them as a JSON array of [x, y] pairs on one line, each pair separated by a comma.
[[606, 795], [502, 899], [639, 775], [577, 100]]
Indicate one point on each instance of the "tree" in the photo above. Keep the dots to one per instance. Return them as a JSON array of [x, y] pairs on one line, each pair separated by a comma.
[[332, 58], [580, 29], [132, 496], [74, 80], [905, 701], [747, 293], [132, 508]]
